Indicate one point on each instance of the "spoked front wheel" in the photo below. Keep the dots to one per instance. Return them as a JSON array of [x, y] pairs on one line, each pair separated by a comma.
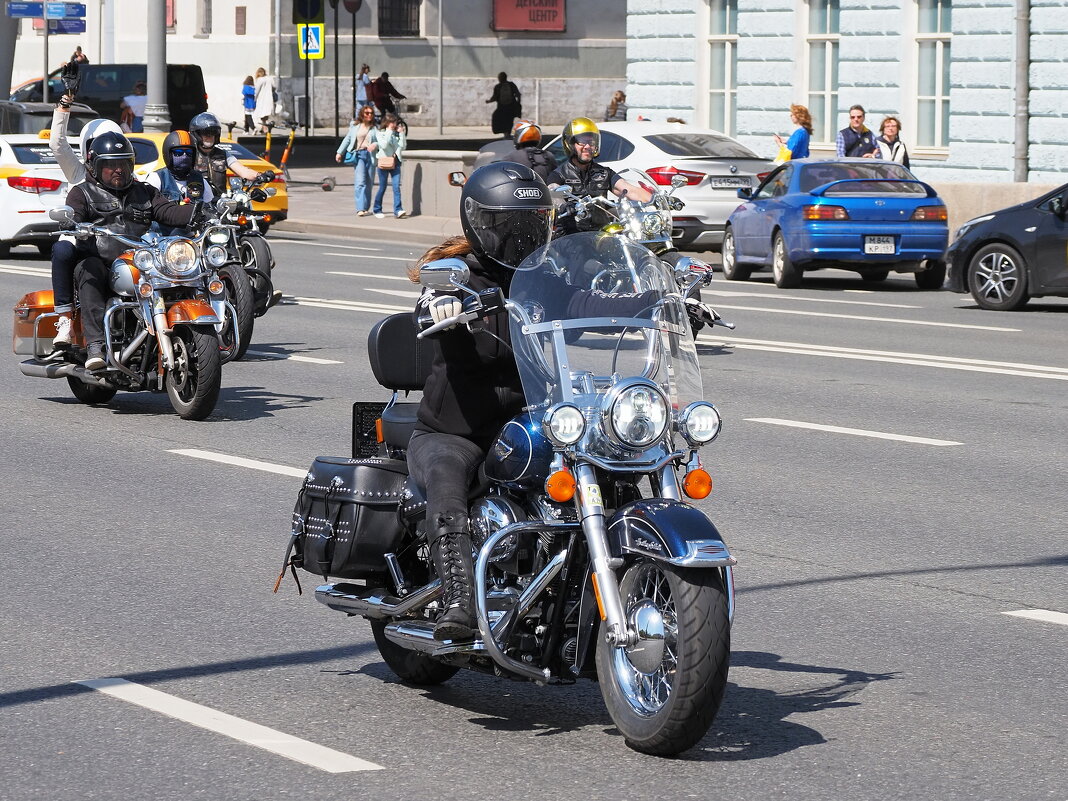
[[664, 691], [194, 382]]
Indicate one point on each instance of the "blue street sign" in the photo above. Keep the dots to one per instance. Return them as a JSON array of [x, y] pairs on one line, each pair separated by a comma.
[[25, 9], [66, 26], [64, 10]]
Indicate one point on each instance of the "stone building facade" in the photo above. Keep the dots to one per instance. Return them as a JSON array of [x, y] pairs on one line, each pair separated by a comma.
[[946, 68]]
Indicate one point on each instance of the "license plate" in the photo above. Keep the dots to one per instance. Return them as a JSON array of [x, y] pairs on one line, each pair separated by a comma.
[[730, 182], [879, 244]]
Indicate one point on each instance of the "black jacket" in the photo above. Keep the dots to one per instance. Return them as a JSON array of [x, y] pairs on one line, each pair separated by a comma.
[[534, 157]]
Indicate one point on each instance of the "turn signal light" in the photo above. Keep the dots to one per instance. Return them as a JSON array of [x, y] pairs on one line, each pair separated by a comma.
[[145, 289], [215, 287], [560, 486], [697, 484], [822, 212], [930, 214]]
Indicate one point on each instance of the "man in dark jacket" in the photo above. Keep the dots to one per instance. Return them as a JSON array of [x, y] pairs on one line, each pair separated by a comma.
[[526, 135], [856, 140], [382, 93], [509, 102], [111, 198]]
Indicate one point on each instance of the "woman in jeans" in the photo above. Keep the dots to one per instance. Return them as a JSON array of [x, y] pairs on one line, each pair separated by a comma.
[[391, 138], [360, 140]]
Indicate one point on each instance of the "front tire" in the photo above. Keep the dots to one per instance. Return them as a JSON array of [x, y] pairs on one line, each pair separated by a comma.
[[997, 278], [783, 270], [410, 666], [194, 382], [732, 271], [239, 293], [90, 394], [664, 706], [258, 263]]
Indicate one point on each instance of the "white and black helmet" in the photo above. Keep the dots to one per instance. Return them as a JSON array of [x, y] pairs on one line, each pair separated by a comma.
[[506, 213]]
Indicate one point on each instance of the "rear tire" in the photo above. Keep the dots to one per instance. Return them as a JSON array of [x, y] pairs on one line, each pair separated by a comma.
[[668, 709], [783, 270], [239, 293], [90, 394], [193, 385], [410, 666], [933, 277], [732, 271]]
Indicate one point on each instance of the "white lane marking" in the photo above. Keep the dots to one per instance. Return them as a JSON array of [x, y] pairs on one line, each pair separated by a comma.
[[370, 275], [239, 461], [764, 295], [366, 256], [347, 305], [857, 432], [286, 745], [18, 269], [400, 293], [292, 357], [915, 359], [319, 244], [897, 320], [1042, 615]]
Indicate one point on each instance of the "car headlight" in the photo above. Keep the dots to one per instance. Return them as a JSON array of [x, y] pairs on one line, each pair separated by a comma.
[[215, 255], [564, 424], [143, 260], [179, 258], [637, 415], [968, 225], [700, 423]]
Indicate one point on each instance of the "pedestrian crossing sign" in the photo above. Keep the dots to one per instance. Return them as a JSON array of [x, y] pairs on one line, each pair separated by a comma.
[[311, 40]]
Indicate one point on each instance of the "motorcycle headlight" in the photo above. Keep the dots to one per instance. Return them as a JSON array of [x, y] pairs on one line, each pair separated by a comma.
[[179, 258], [218, 236], [143, 260], [564, 424], [700, 423], [215, 255], [637, 415], [652, 225]]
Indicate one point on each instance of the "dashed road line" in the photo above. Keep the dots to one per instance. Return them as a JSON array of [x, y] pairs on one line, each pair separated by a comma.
[[370, 275], [857, 432], [238, 461], [292, 357], [347, 305], [864, 318], [272, 740], [19, 269], [1041, 615], [410, 259], [766, 296]]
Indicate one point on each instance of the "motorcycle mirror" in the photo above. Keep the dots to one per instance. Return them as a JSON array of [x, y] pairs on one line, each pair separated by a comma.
[[62, 214], [444, 274], [678, 180], [457, 178]]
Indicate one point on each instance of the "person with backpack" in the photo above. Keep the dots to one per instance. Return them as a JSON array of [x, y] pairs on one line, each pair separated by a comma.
[[526, 135], [509, 102]]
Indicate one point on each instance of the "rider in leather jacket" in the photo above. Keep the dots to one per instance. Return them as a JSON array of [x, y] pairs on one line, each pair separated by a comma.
[[213, 161]]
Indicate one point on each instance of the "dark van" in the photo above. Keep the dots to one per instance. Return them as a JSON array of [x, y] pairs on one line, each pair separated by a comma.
[[103, 86]]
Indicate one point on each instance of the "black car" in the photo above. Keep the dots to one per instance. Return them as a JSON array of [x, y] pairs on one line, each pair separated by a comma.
[[32, 118], [1010, 256]]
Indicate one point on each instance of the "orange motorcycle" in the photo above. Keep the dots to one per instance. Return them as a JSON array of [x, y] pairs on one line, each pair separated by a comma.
[[164, 324]]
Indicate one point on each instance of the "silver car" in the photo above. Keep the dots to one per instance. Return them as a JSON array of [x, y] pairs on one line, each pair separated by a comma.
[[715, 167]]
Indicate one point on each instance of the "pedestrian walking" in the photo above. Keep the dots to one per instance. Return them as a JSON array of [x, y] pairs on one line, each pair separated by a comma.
[[266, 97], [248, 101], [358, 149], [391, 139], [796, 147], [509, 102]]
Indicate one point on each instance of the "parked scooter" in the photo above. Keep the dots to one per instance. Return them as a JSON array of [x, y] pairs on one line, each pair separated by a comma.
[[590, 563], [164, 325]]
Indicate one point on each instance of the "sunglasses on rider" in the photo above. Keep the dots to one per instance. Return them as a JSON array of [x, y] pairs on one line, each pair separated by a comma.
[[586, 139], [181, 151]]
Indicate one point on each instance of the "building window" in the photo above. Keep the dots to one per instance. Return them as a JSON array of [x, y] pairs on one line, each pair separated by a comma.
[[398, 17], [933, 34], [204, 17], [821, 51], [240, 20], [171, 19], [723, 65]]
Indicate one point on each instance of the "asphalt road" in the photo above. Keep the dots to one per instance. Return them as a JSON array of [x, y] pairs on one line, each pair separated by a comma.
[[873, 656]]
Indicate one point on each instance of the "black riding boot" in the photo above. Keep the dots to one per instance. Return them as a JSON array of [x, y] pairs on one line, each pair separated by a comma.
[[452, 560]]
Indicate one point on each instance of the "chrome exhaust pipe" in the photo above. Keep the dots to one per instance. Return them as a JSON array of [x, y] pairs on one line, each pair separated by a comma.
[[374, 602], [418, 635]]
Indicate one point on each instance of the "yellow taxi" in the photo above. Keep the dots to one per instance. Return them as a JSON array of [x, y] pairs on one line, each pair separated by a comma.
[[148, 159]]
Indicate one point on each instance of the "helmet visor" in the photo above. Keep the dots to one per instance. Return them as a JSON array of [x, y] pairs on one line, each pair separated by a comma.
[[510, 235], [114, 172]]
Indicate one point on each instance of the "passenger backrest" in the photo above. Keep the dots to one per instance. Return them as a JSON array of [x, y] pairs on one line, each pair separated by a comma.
[[398, 359]]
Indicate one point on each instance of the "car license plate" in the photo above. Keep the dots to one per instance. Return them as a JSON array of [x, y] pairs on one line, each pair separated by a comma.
[[731, 182], [879, 244]]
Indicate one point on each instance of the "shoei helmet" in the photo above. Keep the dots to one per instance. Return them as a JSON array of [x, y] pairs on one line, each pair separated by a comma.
[[581, 129], [179, 153], [93, 129], [205, 123], [111, 149], [526, 133], [506, 213]]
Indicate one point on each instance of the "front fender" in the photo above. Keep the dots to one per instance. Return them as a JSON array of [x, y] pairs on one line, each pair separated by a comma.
[[668, 530], [191, 312]]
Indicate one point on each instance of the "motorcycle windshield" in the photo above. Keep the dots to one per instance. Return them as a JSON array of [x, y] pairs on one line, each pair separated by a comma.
[[591, 311]]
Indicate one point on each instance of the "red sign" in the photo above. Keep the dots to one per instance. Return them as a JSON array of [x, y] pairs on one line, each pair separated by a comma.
[[529, 15]]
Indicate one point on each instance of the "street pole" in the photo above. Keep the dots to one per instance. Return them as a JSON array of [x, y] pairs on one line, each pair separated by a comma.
[[355, 110], [44, 81], [157, 114], [307, 88], [337, 80], [441, 71]]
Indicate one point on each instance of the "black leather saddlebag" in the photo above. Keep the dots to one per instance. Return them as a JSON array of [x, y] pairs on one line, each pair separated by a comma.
[[346, 518]]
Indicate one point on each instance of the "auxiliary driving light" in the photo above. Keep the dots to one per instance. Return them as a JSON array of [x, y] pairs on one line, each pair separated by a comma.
[[700, 423], [564, 424]]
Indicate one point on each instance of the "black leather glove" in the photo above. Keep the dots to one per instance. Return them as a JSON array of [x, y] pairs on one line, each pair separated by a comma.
[[69, 75], [257, 194], [265, 177], [137, 215], [201, 213]]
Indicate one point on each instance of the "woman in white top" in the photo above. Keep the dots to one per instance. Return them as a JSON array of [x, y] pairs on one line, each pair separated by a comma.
[[890, 145]]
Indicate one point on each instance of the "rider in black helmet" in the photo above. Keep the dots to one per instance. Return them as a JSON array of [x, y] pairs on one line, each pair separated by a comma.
[[111, 197], [213, 161], [474, 388]]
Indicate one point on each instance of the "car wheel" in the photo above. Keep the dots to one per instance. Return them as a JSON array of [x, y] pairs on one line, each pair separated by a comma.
[[874, 277], [785, 273], [997, 278], [933, 277], [731, 269]]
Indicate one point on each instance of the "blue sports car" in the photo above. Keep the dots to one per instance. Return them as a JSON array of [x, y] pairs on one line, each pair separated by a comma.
[[854, 214]]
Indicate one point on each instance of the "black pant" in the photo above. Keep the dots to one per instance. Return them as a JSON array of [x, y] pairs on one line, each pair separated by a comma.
[[65, 256], [249, 125], [444, 465], [93, 290]]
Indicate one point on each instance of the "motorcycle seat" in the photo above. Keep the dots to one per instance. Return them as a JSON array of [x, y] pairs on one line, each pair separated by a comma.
[[398, 423]]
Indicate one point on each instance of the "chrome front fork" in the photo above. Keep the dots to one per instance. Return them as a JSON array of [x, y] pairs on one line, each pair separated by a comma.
[[591, 510]]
